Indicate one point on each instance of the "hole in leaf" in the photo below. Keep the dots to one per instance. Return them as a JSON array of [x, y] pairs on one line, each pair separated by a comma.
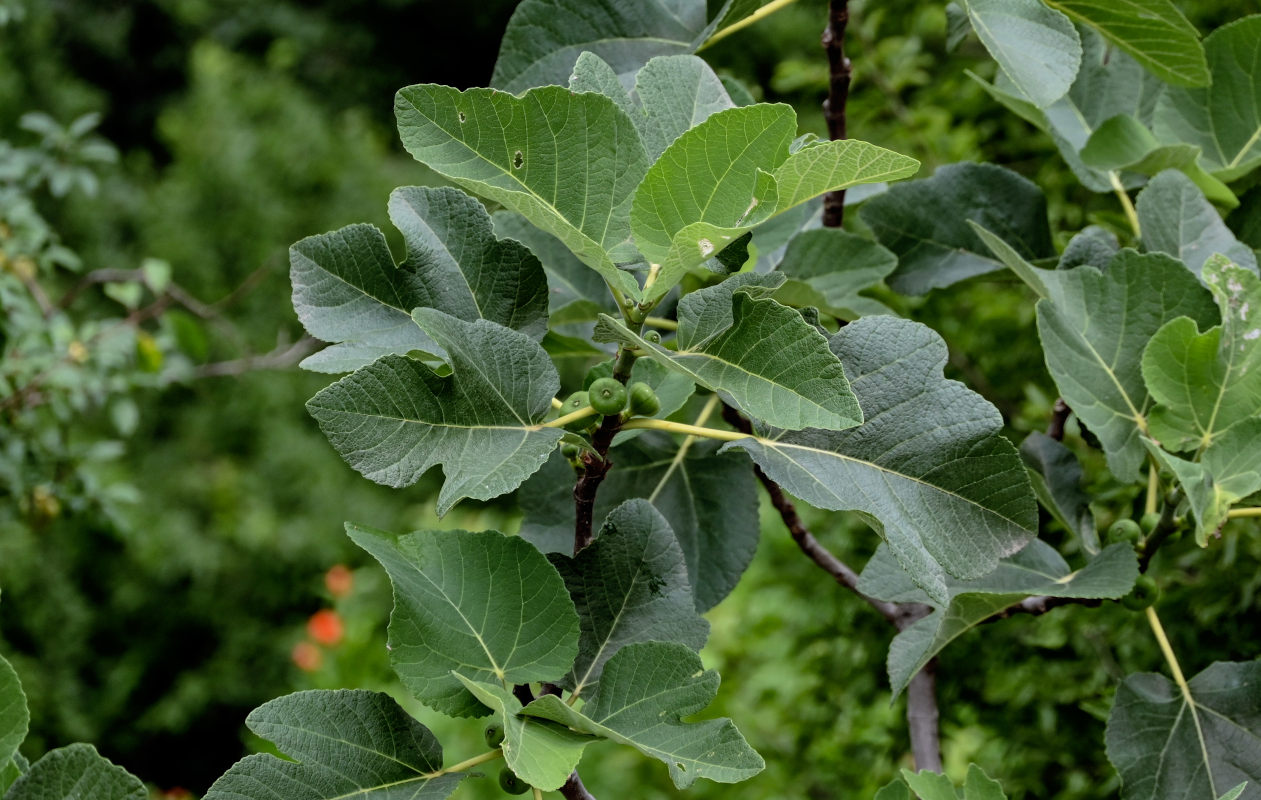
[[518, 160], [462, 117], [680, 767]]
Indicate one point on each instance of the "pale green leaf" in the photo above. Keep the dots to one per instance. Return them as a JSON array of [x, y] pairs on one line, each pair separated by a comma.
[[1228, 471], [1122, 143], [1154, 32], [927, 467], [1204, 383], [1235, 793], [14, 716], [486, 606], [925, 223], [395, 418], [734, 171], [347, 289], [545, 37], [1057, 480], [1094, 326], [897, 789], [630, 585], [1036, 47], [76, 772], [339, 744], [1167, 745], [1224, 119], [1036, 570], [759, 356], [935, 786], [15, 768], [568, 162], [1175, 218], [539, 752], [593, 74], [710, 501], [823, 167], [645, 691]]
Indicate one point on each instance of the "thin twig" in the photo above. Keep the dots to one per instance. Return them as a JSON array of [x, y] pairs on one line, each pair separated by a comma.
[[1059, 416], [840, 73], [282, 357]]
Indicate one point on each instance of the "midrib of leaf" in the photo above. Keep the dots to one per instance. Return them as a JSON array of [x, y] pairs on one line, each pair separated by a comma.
[[351, 744], [617, 618], [1256, 135], [368, 789], [681, 453], [761, 378], [498, 670], [1139, 418], [884, 470], [463, 278]]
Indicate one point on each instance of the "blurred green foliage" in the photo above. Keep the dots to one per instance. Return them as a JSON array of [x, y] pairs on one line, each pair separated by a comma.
[[153, 624]]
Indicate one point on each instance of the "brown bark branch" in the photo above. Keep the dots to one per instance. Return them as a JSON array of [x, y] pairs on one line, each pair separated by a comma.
[[922, 718], [840, 73], [595, 467], [574, 790], [1059, 416]]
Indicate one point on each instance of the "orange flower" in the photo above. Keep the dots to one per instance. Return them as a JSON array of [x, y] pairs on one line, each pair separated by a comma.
[[307, 656], [339, 580], [325, 626]]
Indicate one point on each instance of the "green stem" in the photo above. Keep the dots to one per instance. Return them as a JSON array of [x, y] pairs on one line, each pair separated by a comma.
[[1153, 489], [762, 13], [1237, 513], [469, 763], [538, 793], [662, 323], [1130, 213], [682, 427], [687, 445], [1176, 670], [557, 404], [560, 422]]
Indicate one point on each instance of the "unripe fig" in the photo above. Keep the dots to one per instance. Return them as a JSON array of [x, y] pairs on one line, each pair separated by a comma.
[[576, 402], [510, 783], [608, 396], [652, 337], [1125, 530], [643, 400], [494, 735], [1144, 593], [1148, 522]]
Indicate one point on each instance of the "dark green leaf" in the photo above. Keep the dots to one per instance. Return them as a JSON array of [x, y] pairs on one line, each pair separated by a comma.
[[340, 744], [545, 37], [483, 605], [1057, 480], [395, 418], [928, 466], [1175, 218], [629, 586], [925, 223], [1168, 743], [837, 265], [76, 772], [1036, 570], [1224, 119], [14, 716], [709, 500]]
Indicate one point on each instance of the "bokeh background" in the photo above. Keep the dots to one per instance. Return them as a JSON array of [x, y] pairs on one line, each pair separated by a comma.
[[171, 551]]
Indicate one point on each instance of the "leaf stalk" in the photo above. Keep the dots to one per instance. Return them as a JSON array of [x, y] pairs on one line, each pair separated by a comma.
[[468, 763]]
